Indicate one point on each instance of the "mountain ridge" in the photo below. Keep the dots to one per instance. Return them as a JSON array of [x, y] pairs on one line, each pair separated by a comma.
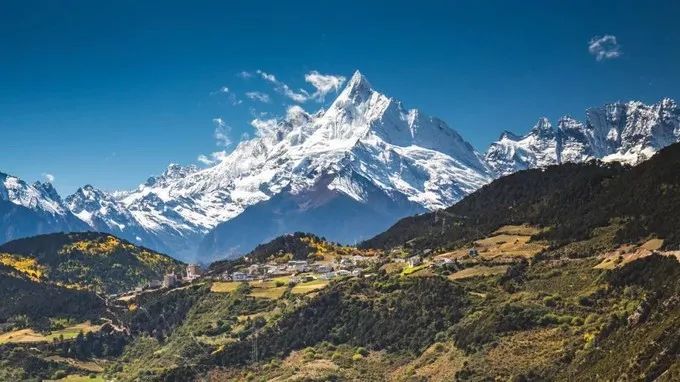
[[363, 148]]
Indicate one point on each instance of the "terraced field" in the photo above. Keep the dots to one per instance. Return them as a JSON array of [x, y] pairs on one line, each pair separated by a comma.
[[30, 335]]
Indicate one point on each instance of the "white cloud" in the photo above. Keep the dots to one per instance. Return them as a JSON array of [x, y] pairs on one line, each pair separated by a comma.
[[324, 83], [48, 177], [222, 132], [244, 74], [299, 96], [204, 159], [234, 100], [213, 158], [604, 48], [269, 77], [258, 96], [264, 127], [231, 97], [294, 111]]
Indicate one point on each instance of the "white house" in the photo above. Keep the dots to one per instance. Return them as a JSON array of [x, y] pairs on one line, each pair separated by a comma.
[[342, 273], [323, 268], [298, 266], [414, 261], [240, 276]]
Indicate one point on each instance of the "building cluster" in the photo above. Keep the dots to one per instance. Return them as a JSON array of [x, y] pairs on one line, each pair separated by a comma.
[[298, 269], [170, 280]]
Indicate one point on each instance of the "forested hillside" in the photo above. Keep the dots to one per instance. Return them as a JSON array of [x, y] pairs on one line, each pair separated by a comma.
[[571, 199], [88, 260]]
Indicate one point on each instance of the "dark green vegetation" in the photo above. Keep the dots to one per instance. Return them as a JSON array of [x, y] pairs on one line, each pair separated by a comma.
[[572, 199], [88, 260], [29, 303], [384, 313]]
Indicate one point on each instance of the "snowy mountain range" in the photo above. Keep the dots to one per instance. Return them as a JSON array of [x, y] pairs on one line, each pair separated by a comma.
[[627, 132], [27, 210], [347, 173]]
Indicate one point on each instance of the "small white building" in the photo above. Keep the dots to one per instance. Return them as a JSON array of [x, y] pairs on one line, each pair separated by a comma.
[[240, 276], [193, 272], [298, 266], [346, 263], [342, 273], [323, 268], [414, 261]]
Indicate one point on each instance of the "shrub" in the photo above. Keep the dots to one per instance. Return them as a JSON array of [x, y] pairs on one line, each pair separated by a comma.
[[550, 301], [586, 301], [576, 321]]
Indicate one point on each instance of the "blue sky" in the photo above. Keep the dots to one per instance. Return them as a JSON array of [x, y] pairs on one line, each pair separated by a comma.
[[109, 93]]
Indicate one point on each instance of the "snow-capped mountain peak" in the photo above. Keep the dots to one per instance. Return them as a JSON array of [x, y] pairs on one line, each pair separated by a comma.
[[543, 126], [33, 209], [365, 143], [39, 196]]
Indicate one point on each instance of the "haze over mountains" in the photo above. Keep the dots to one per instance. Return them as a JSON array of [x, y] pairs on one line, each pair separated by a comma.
[[366, 161]]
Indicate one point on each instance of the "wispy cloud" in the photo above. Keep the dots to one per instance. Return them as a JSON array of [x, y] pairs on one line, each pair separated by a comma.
[[258, 96], [244, 74], [212, 158], [205, 160], [222, 132], [48, 177], [604, 48], [264, 127], [323, 83], [280, 87], [222, 139], [231, 97]]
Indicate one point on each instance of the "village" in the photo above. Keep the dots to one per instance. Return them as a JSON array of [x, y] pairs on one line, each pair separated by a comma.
[[486, 256]]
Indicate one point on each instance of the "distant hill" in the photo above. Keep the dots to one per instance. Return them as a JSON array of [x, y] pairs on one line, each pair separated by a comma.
[[88, 260], [572, 199]]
